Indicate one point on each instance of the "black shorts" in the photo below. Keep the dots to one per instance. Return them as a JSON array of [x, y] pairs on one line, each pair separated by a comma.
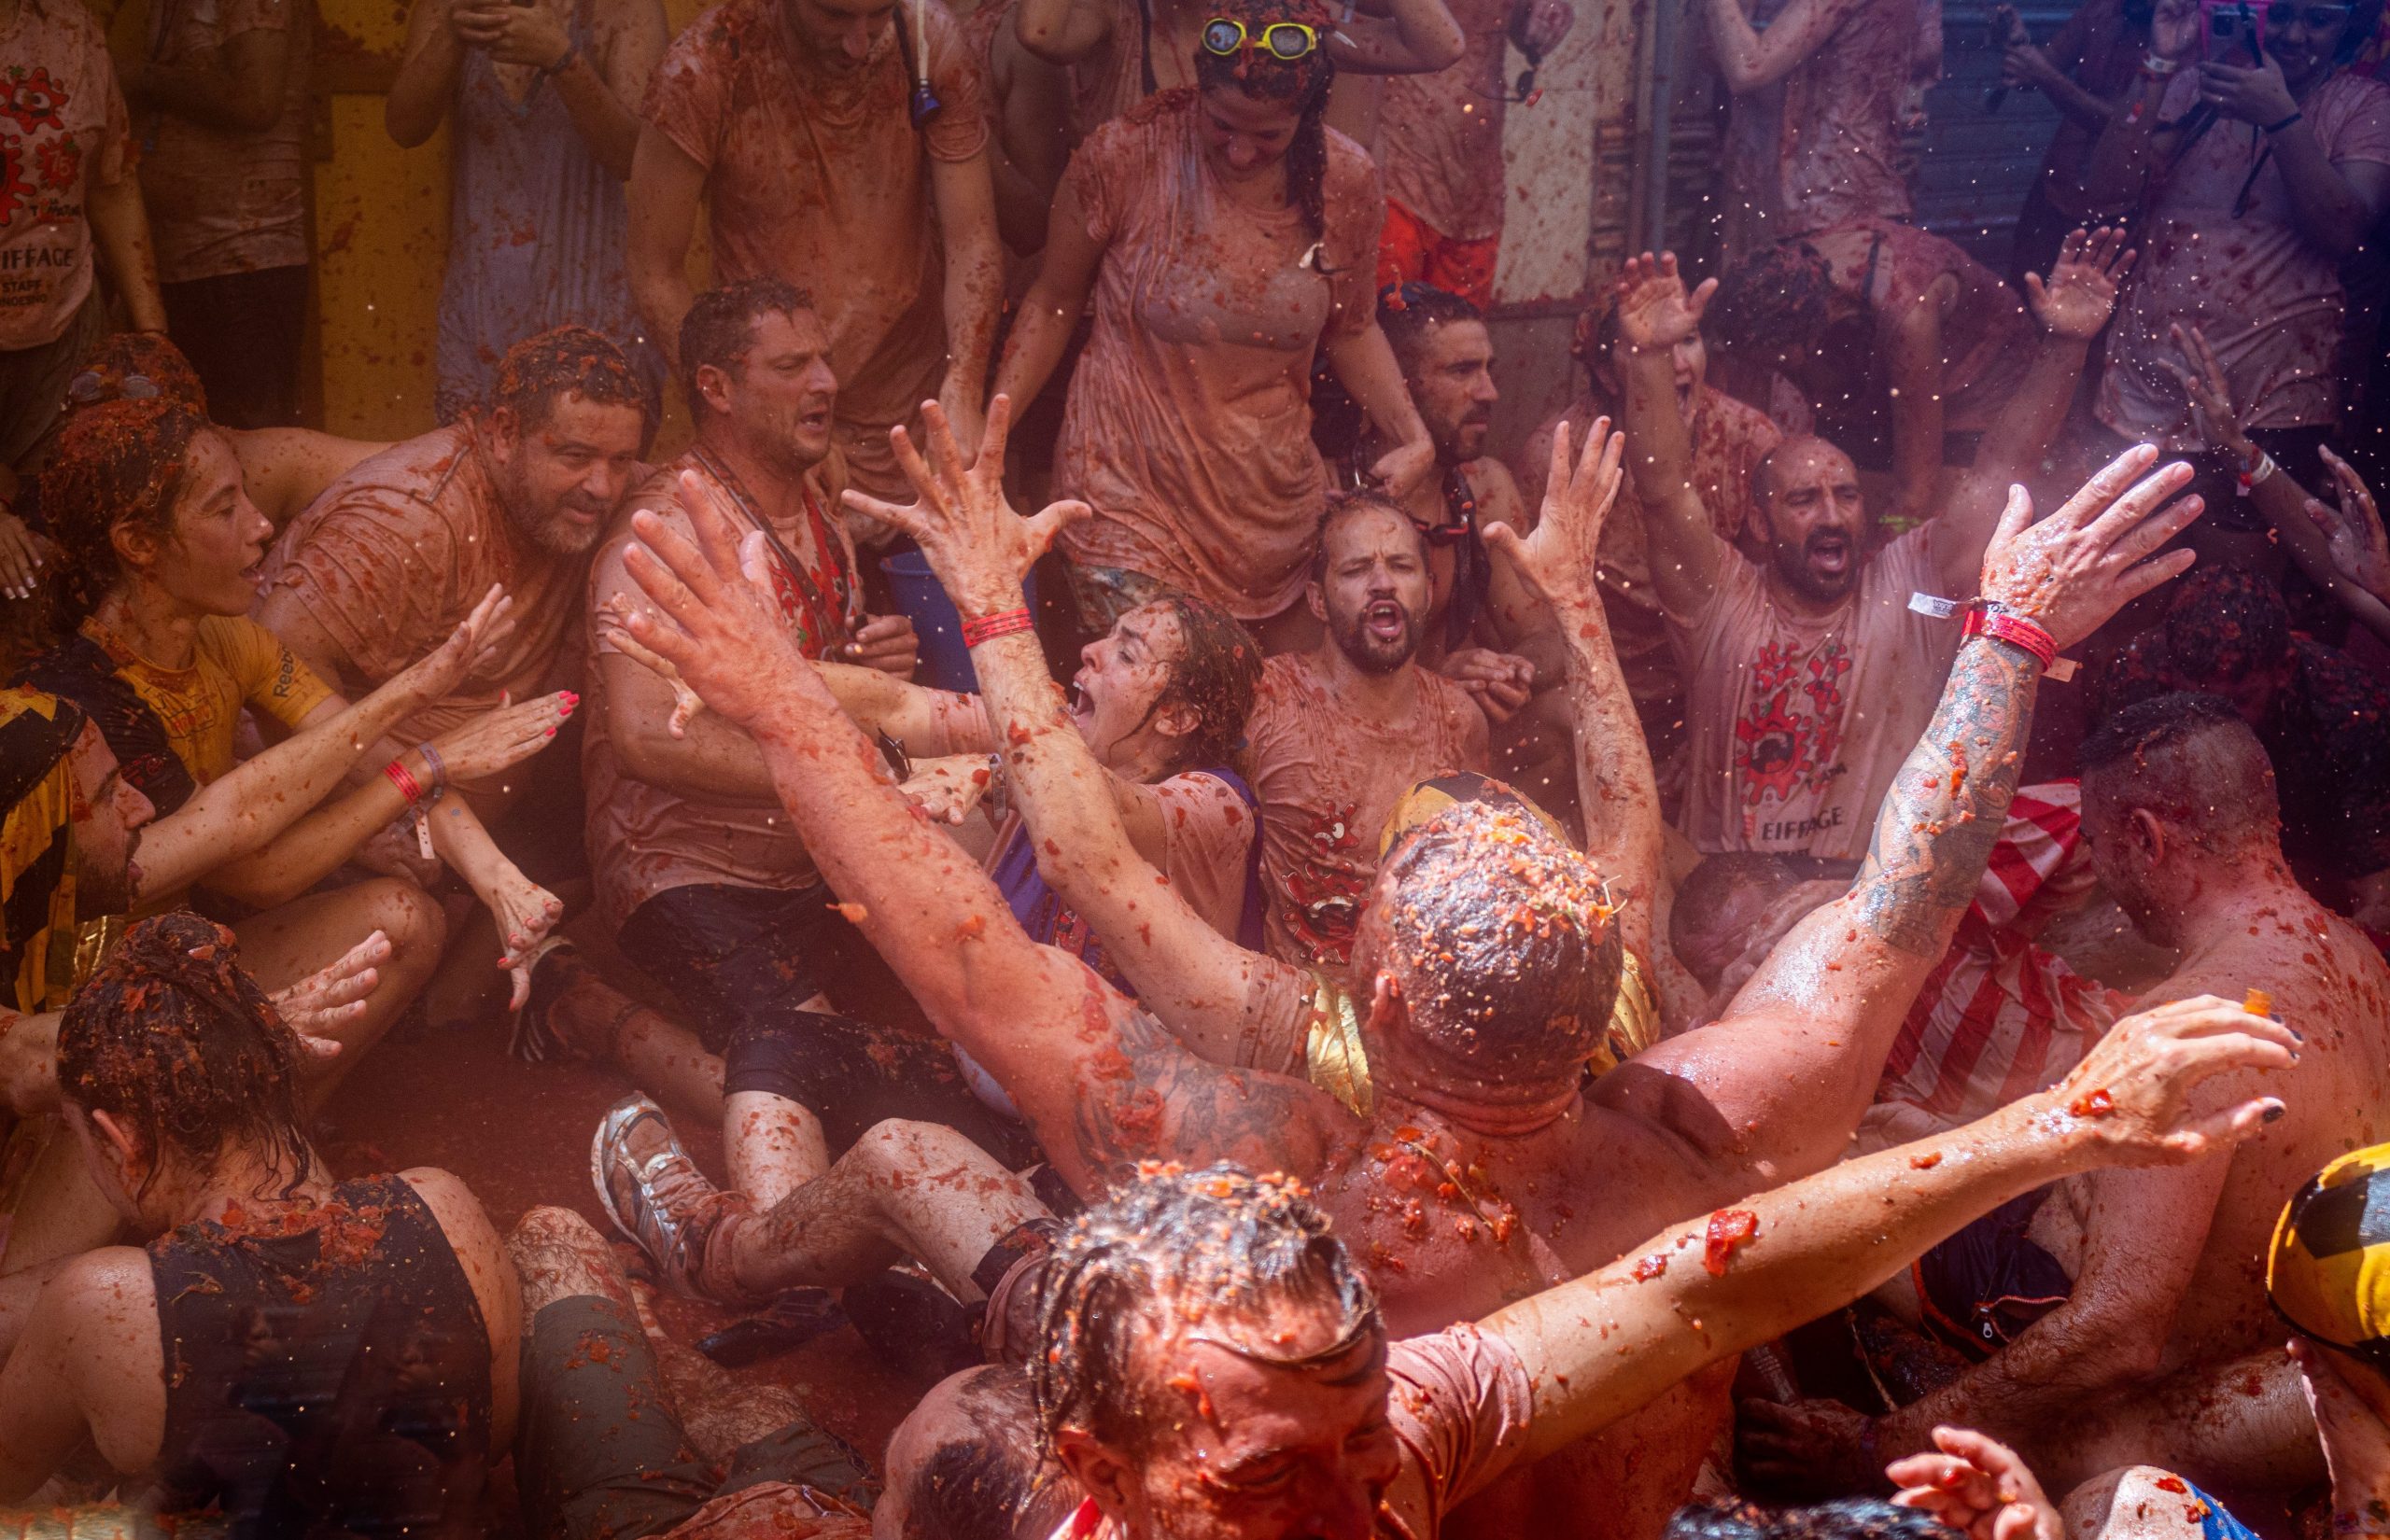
[[734, 954], [599, 1454], [743, 962], [1986, 1285]]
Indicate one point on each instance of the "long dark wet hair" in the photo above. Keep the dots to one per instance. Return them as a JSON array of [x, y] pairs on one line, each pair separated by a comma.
[[1303, 82], [1217, 669], [185, 1050]]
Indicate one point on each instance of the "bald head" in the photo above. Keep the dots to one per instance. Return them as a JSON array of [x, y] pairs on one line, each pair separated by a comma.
[[1808, 498]]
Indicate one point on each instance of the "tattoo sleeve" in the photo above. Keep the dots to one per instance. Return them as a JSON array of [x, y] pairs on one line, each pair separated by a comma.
[[1156, 1101], [1943, 814]]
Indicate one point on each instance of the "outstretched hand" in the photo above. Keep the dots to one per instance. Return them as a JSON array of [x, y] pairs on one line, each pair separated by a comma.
[[980, 549], [2131, 1094], [2102, 549], [2081, 293], [1654, 311], [1558, 561], [1978, 1486], [2352, 526], [720, 627], [440, 671], [331, 997], [2209, 392]]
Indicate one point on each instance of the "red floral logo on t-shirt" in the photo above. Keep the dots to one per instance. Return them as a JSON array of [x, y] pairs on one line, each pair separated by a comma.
[[32, 99], [59, 161], [1783, 746], [15, 192]]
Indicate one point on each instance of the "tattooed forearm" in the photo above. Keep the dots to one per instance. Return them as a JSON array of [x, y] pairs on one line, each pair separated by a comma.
[[1943, 814], [1152, 1099]]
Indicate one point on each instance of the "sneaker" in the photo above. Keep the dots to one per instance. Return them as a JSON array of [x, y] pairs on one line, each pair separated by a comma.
[[654, 1192]]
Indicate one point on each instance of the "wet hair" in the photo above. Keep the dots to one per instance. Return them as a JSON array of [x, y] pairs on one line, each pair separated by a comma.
[[1342, 506], [119, 462], [720, 326], [1216, 671], [1301, 82], [1409, 313], [2187, 758], [185, 1050], [1773, 301], [1218, 1245], [1501, 940], [2225, 624], [568, 360], [1845, 1519], [976, 1484]]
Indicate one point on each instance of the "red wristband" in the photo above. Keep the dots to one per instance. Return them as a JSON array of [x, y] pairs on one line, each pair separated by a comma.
[[991, 626], [2015, 630], [404, 781]]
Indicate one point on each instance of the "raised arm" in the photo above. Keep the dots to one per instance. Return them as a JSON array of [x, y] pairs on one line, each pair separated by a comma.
[[2341, 548], [1187, 974], [2116, 175], [1100, 1083], [1602, 1346], [1781, 1080], [1654, 313], [1616, 789], [2072, 308], [420, 92]]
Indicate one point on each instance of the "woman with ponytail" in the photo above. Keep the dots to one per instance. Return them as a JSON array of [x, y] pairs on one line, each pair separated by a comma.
[[1226, 234]]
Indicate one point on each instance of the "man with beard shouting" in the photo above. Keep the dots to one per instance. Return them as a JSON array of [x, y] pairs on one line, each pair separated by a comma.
[[1338, 733], [1807, 677], [1485, 967]]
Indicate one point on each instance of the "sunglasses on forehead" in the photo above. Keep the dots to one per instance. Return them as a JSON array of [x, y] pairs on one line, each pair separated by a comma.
[[1285, 41]]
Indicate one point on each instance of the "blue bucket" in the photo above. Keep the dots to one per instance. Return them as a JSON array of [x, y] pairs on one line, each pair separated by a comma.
[[944, 662]]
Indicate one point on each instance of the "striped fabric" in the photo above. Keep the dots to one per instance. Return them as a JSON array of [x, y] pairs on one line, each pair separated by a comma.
[[1999, 1017]]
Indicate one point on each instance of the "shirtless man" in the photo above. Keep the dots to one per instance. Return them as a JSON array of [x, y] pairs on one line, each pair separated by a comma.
[[1212, 1361], [177, 1363], [2180, 814], [840, 146], [1339, 731], [1807, 677], [396, 552], [1495, 1090]]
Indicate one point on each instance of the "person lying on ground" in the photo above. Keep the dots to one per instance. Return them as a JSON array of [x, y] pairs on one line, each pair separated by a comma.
[[1477, 1029]]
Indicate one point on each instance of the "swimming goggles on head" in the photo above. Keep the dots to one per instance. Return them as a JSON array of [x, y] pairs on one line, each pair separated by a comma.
[[1285, 41], [93, 386]]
